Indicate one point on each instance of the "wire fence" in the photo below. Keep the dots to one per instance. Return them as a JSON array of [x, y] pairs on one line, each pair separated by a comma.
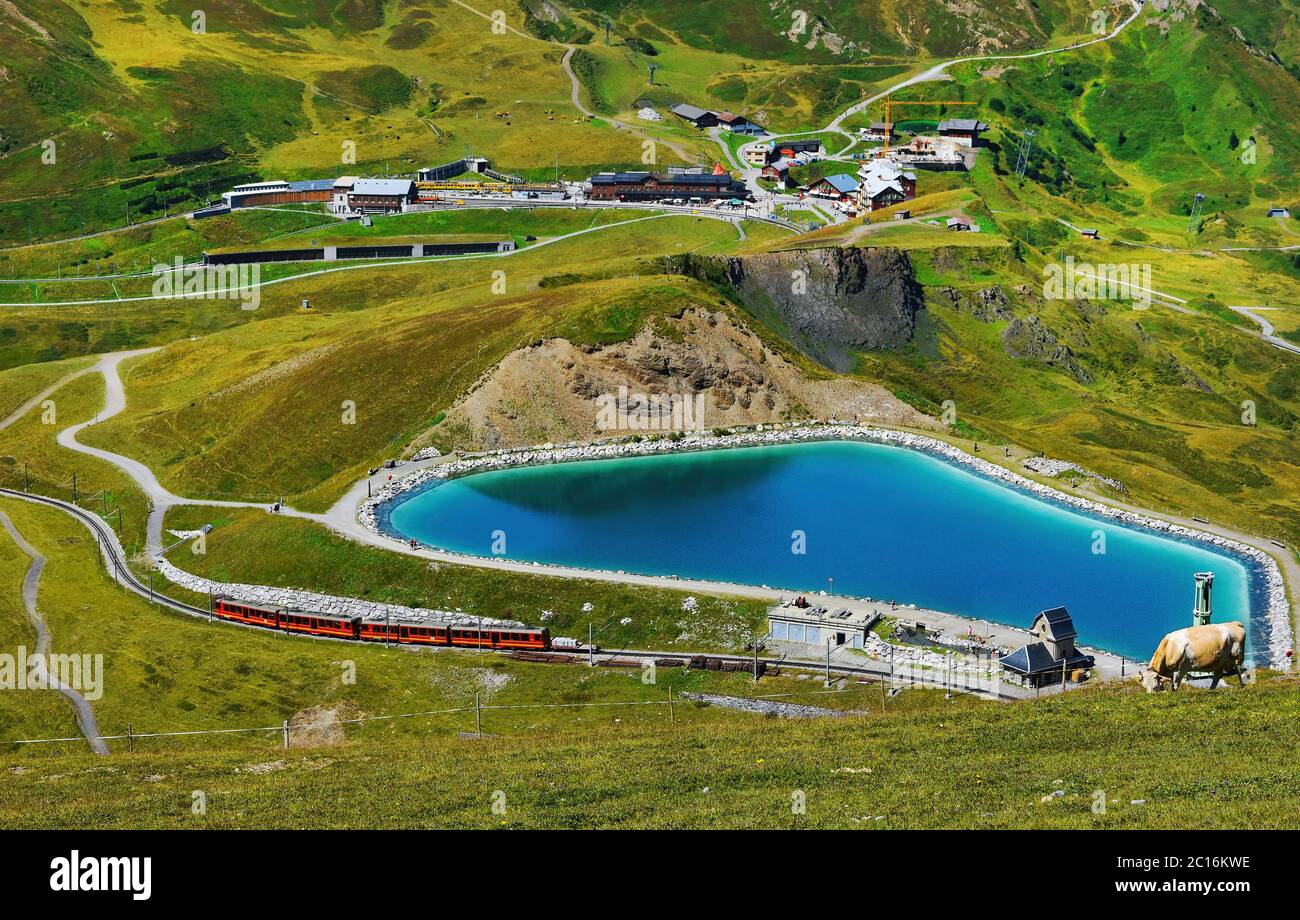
[[287, 727]]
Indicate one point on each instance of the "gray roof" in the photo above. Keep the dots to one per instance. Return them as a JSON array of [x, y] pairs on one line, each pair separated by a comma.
[[312, 185], [686, 110], [963, 124], [382, 187]]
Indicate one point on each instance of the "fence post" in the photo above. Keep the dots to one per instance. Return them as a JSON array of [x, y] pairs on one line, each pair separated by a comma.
[[478, 714], [286, 734], [672, 716], [130, 738]]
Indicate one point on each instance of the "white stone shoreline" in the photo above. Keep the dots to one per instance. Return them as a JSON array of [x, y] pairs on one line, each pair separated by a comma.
[[1278, 614]]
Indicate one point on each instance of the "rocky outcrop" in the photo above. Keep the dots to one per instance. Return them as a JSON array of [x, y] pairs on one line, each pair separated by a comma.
[[988, 305], [1029, 339], [829, 303], [553, 390]]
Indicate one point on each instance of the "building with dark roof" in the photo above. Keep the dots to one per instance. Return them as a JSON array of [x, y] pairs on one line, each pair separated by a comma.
[[647, 186], [806, 145], [701, 118], [739, 124], [1054, 656], [965, 131]]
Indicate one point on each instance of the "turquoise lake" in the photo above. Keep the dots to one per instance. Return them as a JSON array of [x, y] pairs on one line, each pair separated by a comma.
[[885, 522]]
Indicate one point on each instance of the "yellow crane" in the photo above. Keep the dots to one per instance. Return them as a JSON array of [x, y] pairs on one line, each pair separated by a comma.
[[890, 104]]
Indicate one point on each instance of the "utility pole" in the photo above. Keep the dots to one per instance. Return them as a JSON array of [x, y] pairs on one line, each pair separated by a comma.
[[1197, 204], [25, 480], [755, 659], [1026, 145], [672, 716], [828, 662], [591, 655], [74, 488]]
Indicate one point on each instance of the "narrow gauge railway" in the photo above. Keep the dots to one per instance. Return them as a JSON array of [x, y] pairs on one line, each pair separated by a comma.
[[314, 623]]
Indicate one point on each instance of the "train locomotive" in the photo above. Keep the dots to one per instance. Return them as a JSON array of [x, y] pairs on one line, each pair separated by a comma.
[[334, 626]]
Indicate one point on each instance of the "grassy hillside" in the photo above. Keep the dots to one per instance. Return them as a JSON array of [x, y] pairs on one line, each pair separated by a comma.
[[989, 767], [164, 671], [402, 343]]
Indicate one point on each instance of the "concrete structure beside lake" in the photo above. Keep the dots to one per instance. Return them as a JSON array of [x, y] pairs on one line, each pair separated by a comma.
[[816, 625]]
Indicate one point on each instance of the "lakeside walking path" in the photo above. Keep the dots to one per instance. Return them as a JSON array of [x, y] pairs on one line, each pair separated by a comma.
[[31, 588]]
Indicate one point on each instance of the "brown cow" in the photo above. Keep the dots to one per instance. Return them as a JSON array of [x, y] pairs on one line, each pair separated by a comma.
[[1217, 648]]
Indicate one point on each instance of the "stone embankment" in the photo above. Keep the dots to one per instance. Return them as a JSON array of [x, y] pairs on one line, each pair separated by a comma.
[[1278, 637], [264, 595]]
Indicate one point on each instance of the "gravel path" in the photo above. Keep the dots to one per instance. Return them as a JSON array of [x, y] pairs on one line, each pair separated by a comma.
[[31, 587]]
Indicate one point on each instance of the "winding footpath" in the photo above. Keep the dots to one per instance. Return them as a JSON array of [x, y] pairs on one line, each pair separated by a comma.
[[31, 587]]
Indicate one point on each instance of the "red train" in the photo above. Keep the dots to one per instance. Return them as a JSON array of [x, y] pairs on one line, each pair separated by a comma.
[[342, 627]]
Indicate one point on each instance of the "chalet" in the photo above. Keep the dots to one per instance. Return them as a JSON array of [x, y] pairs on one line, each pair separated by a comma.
[[878, 131], [701, 118], [884, 184], [1088, 233], [964, 131], [1053, 656], [1278, 212], [371, 196], [840, 187], [738, 124], [778, 171], [959, 224], [646, 186]]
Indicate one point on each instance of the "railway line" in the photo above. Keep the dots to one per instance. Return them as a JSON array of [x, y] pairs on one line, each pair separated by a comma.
[[115, 562]]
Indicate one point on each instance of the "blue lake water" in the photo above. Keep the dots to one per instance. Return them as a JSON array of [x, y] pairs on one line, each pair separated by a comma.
[[884, 522]]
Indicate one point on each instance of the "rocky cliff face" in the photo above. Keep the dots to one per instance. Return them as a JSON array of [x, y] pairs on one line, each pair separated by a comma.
[[553, 390], [829, 303]]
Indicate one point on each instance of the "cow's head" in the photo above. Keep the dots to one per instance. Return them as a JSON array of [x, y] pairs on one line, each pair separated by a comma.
[[1152, 681]]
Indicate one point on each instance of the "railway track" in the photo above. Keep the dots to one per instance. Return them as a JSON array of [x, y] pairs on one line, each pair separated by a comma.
[[114, 558]]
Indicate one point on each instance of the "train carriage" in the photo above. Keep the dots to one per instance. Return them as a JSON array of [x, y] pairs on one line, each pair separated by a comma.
[[310, 622], [320, 624], [237, 611]]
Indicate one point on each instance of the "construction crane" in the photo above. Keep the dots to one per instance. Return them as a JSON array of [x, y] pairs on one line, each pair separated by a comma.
[[889, 120]]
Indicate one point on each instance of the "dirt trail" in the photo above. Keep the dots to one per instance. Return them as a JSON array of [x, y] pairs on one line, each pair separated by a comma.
[[31, 588]]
